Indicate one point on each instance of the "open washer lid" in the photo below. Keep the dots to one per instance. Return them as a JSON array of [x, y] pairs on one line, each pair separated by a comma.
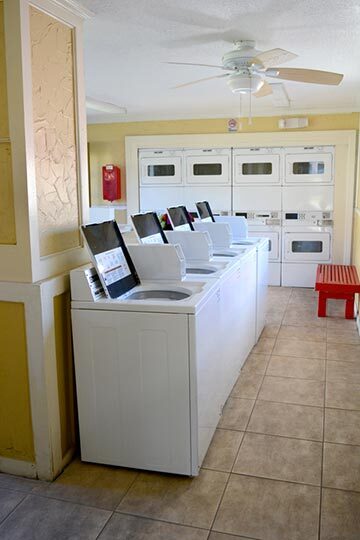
[[111, 258]]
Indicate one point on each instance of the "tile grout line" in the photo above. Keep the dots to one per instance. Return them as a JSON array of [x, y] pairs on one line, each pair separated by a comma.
[[244, 430], [323, 443], [113, 511], [3, 521]]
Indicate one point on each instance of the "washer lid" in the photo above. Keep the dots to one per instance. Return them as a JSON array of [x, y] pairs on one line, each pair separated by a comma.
[[111, 258]]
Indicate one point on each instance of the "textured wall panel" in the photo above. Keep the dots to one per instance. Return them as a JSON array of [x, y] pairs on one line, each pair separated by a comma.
[[16, 435], [55, 133], [7, 216]]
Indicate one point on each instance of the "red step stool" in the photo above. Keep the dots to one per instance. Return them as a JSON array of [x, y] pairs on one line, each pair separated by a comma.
[[337, 281]]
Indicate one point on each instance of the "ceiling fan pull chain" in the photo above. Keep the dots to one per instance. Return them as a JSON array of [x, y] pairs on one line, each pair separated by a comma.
[[240, 105]]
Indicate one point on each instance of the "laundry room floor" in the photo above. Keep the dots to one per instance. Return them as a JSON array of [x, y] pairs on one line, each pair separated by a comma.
[[284, 463]]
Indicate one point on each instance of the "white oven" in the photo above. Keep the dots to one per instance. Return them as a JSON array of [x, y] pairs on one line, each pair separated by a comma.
[[160, 167], [208, 167], [309, 165], [257, 166]]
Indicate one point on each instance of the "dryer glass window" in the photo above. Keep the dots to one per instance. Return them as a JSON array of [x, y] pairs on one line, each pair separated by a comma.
[[308, 167], [306, 246], [207, 169], [161, 170], [257, 168]]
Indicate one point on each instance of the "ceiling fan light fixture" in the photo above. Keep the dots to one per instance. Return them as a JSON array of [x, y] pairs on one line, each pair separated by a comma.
[[244, 83]]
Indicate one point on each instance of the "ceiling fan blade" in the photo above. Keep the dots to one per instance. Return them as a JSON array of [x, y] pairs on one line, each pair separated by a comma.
[[273, 57], [305, 75], [191, 64], [200, 80], [265, 90]]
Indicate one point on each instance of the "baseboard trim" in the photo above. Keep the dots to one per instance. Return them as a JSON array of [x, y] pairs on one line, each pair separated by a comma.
[[17, 467]]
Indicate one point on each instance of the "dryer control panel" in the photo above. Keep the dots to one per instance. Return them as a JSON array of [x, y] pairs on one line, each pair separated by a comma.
[[319, 219]]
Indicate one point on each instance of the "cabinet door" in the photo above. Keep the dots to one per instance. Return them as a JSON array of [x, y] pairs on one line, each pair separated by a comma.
[[132, 375]]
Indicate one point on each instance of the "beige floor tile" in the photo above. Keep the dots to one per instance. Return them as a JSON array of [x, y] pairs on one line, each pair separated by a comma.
[[256, 363], [220, 536], [264, 346], [342, 426], [223, 449], [274, 316], [351, 337], [340, 515], [342, 395], [335, 308], [122, 527], [340, 323], [343, 352], [280, 458], [343, 371], [307, 333], [300, 348], [247, 385], [341, 466], [270, 330], [236, 414], [94, 485], [288, 390], [297, 317], [298, 421], [40, 518], [269, 509], [299, 368], [183, 500]]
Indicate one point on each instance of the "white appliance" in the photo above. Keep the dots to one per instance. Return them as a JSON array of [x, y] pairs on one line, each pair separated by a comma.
[[257, 179], [307, 241], [257, 166], [239, 229], [161, 178], [150, 385], [309, 165], [149, 231], [309, 179], [207, 173], [268, 225]]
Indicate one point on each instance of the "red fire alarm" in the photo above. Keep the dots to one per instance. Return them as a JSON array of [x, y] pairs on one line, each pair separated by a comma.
[[111, 182]]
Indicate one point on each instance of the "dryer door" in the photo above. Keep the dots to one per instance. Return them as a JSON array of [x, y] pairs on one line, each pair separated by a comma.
[[307, 246], [257, 168], [160, 167], [208, 167], [274, 242], [309, 168]]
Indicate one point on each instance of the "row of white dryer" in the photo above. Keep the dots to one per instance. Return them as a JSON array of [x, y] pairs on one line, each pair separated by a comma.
[[157, 356]]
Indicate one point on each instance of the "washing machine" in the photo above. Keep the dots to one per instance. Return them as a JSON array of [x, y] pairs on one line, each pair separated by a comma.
[[150, 386], [307, 242], [239, 229]]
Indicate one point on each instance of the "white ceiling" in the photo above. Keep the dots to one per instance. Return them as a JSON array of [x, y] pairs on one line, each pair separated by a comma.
[[127, 41]]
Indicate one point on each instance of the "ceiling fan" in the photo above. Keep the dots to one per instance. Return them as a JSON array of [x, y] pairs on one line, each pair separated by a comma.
[[247, 69]]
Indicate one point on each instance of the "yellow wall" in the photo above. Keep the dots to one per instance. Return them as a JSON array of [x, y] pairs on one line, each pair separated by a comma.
[[356, 229], [65, 371], [107, 141], [7, 214], [16, 435]]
